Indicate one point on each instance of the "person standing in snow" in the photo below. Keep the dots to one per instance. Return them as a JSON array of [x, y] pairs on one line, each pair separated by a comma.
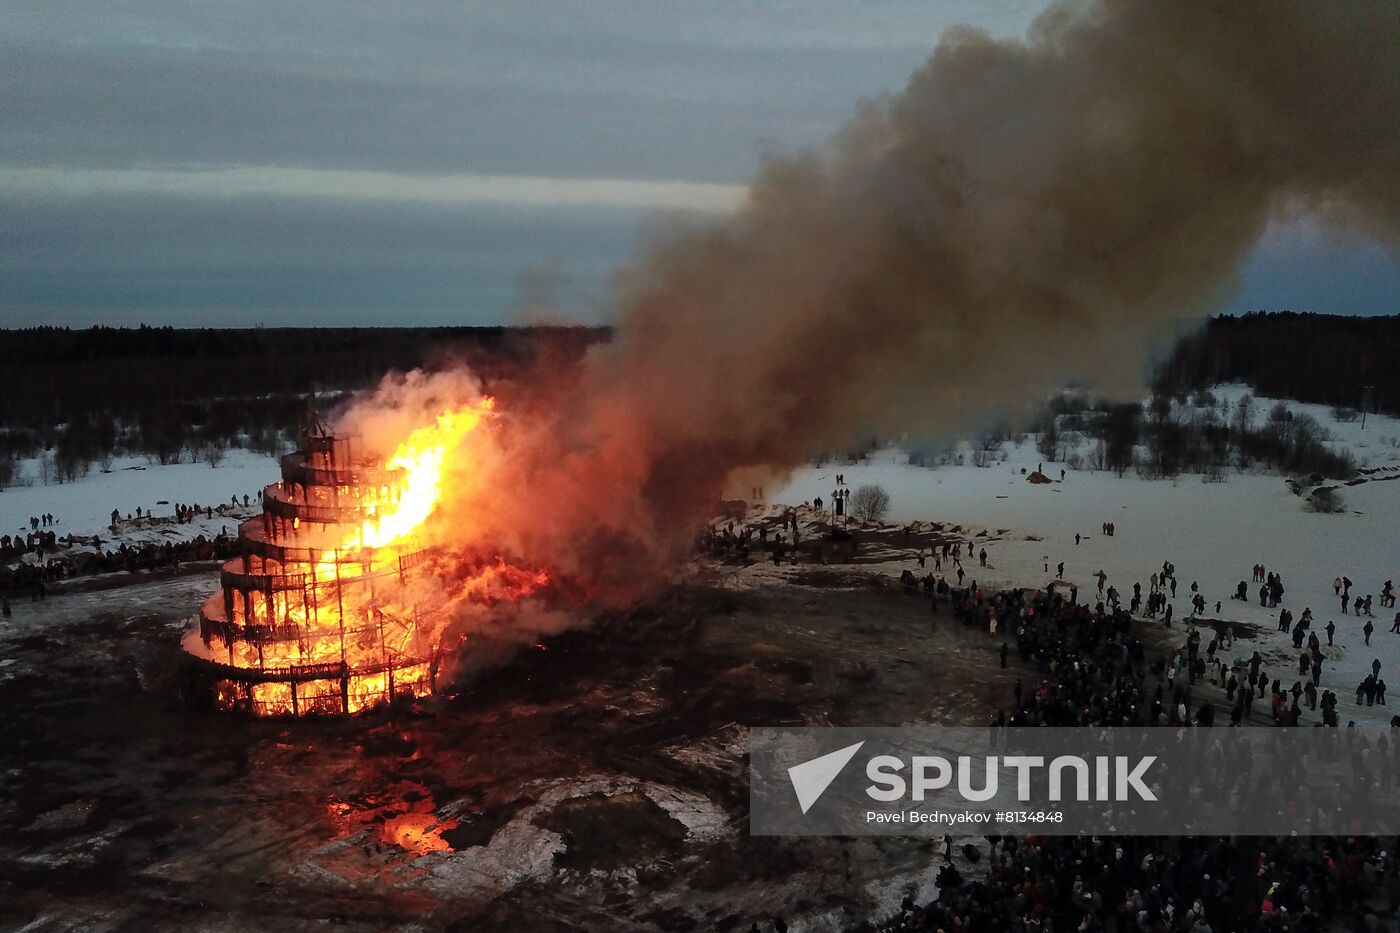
[[1368, 628]]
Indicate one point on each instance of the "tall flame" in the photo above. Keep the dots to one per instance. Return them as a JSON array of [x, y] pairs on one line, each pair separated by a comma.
[[352, 613], [420, 457]]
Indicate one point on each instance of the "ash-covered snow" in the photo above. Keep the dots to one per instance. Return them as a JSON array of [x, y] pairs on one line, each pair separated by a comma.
[[523, 850]]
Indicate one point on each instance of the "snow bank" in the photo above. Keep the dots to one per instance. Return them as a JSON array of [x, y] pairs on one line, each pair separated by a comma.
[[84, 507]]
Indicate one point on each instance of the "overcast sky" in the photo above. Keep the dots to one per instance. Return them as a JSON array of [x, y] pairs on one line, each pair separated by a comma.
[[437, 163]]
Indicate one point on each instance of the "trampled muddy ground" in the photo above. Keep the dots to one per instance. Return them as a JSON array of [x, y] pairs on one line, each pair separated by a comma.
[[598, 784]]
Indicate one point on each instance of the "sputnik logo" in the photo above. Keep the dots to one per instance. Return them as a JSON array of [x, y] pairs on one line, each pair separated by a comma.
[[811, 778]]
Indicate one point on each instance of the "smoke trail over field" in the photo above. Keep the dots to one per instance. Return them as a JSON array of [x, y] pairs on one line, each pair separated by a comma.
[[1024, 212]]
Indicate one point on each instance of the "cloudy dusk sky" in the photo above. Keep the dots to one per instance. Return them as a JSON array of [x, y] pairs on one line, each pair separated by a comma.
[[357, 163]]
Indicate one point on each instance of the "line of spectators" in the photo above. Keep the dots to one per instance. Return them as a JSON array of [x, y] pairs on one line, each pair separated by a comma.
[[74, 556]]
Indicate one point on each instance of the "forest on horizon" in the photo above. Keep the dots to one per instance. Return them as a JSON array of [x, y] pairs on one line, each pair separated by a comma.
[[170, 393]]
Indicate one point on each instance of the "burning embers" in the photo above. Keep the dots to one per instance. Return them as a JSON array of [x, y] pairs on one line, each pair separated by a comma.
[[334, 605]]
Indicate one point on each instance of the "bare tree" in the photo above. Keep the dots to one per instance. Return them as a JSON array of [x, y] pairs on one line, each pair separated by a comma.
[[870, 503], [1120, 437], [1048, 443]]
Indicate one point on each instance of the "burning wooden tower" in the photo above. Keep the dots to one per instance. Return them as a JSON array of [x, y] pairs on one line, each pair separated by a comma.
[[324, 610]]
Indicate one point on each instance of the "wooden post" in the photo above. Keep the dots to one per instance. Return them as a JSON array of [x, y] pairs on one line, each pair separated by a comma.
[[339, 603]]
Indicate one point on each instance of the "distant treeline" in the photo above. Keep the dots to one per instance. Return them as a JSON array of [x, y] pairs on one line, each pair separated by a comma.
[[1328, 359], [75, 398]]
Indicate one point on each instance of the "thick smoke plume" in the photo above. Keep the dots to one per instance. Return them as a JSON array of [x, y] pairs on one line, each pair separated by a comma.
[[1023, 213]]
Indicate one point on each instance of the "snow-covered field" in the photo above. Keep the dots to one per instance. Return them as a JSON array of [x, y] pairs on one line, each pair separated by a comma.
[[84, 507], [1213, 532]]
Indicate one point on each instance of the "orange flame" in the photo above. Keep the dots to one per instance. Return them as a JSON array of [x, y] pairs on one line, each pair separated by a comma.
[[421, 458], [359, 610]]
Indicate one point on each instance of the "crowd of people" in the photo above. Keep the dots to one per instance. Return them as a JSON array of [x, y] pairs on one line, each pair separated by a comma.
[[32, 561], [1186, 884], [1094, 670], [72, 559]]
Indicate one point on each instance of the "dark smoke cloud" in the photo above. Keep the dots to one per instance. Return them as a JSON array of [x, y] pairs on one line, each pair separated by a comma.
[[1025, 212]]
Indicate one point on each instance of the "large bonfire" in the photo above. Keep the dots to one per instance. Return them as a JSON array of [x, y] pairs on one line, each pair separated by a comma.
[[339, 601]]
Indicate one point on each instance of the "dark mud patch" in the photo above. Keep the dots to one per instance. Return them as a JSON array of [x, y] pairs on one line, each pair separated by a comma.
[[799, 672], [831, 579], [476, 829], [610, 831]]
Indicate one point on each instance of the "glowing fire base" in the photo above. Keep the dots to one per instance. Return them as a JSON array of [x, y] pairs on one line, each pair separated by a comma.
[[312, 619]]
